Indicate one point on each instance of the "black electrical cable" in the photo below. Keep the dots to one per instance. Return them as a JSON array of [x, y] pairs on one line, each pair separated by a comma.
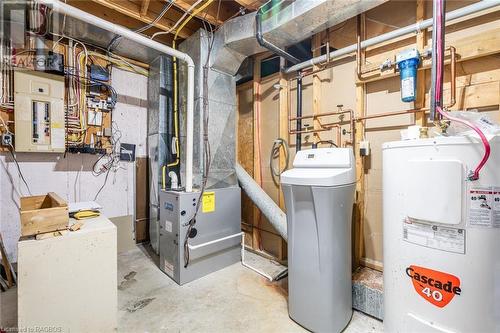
[[104, 184], [11, 150], [332, 144]]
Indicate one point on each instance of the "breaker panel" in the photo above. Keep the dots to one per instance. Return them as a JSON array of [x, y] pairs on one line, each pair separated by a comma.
[[39, 112]]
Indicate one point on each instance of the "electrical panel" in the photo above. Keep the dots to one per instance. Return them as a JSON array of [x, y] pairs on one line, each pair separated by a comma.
[[39, 112]]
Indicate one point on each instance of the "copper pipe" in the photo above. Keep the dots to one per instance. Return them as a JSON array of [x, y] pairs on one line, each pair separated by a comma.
[[453, 77], [329, 126], [389, 114], [309, 131], [326, 114], [358, 47]]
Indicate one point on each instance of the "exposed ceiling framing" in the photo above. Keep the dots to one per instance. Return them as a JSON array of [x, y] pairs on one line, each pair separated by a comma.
[[137, 13]]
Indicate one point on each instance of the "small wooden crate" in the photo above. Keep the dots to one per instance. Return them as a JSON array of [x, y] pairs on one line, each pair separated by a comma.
[[43, 213]]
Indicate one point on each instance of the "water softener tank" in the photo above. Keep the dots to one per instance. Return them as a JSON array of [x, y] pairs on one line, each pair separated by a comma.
[[407, 62], [441, 236], [319, 196]]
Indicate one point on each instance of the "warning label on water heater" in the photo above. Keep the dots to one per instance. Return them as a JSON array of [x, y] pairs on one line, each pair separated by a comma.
[[484, 207], [435, 237]]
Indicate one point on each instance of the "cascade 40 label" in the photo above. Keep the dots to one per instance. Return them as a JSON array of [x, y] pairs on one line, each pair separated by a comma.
[[436, 287]]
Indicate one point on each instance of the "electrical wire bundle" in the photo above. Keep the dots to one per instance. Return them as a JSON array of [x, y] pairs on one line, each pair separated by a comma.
[[6, 77], [438, 57], [108, 162]]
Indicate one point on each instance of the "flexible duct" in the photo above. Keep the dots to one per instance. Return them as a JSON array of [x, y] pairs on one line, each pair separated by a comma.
[[62, 8], [267, 206]]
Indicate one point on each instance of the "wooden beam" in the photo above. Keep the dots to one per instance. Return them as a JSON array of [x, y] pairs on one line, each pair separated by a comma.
[[144, 7], [117, 18], [132, 10], [209, 15], [250, 4]]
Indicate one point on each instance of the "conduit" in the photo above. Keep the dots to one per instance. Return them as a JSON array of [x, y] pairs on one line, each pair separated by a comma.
[[263, 201], [437, 84], [474, 8], [64, 9]]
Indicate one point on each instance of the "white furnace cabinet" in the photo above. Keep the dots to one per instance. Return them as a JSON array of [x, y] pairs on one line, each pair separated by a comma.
[[69, 283], [441, 236]]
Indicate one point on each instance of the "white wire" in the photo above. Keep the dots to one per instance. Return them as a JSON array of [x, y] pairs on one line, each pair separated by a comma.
[[188, 11]]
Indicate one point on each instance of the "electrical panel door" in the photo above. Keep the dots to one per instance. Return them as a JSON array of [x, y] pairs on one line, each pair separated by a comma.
[[39, 112]]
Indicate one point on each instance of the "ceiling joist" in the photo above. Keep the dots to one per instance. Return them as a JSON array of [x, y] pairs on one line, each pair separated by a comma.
[[132, 10], [144, 7], [250, 4]]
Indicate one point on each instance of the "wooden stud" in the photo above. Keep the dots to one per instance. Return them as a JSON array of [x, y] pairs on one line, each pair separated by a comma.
[[317, 40], [283, 133], [360, 172], [6, 264], [257, 175]]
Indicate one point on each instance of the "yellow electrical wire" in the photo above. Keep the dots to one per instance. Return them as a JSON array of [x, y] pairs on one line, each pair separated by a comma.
[[176, 125]]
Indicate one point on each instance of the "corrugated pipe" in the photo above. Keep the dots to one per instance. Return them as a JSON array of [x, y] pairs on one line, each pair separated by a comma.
[[62, 8], [267, 206], [474, 8]]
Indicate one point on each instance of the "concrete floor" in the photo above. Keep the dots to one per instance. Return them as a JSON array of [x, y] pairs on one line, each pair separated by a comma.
[[233, 299]]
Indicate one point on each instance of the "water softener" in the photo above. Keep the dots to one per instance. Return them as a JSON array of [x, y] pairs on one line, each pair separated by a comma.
[[407, 62]]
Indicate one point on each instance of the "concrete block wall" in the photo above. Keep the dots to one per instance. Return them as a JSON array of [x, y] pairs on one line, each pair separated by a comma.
[[71, 176]]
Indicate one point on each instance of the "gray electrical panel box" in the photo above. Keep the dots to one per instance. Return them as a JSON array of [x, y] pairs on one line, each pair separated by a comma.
[[217, 243]]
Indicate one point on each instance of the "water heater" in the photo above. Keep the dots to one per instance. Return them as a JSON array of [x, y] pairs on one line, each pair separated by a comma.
[[441, 236]]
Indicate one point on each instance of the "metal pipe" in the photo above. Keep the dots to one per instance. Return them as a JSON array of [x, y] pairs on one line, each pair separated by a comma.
[[298, 126], [266, 44], [474, 8], [453, 76], [267, 276], [215, 241], [263, 201], [389, 114], [358, 48], [62, 8], [327, 114]]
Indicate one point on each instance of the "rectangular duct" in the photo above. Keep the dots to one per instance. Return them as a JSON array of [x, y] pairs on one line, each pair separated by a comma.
[[222, 115], [160, 96]]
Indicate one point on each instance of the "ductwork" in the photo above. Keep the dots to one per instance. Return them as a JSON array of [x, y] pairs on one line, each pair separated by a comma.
[[263, 201], [301, 19]]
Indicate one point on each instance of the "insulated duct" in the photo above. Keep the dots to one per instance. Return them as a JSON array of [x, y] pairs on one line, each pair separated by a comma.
[[263, 201]]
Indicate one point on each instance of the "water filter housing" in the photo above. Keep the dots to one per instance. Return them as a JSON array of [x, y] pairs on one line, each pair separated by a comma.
[[441, 236], [407, 62]]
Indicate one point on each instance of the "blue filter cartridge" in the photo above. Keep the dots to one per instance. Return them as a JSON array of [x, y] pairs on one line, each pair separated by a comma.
[[408, 61]]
